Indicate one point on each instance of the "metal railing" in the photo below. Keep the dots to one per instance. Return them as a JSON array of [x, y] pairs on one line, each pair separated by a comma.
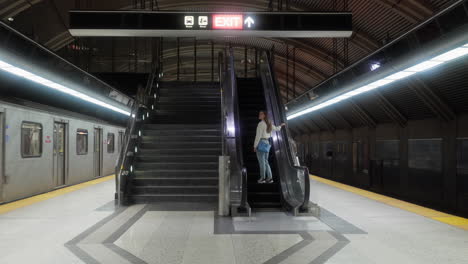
[[231, 137], [139, 112]]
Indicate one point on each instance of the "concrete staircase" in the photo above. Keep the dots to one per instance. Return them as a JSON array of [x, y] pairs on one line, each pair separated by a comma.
[[178, 156]]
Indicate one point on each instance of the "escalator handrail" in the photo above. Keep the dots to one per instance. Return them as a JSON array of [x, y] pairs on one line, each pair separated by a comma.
[[228, 85], [275, 101]]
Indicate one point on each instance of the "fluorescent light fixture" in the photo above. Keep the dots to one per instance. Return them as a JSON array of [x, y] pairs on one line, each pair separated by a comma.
[[425, 65], [37, 79], [399, 75], [379, 83], [451, 55]]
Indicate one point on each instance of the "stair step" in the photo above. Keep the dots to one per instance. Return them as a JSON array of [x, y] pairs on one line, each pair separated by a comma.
[[183, 127], [188, 84], [264, 197], [152, 198], [194, 99], [266, 187], [185, 105], [163, 181], [180, 145], [264, 205], [178, 165], [181, 190], [155, 174], [188, 93], [187, 138], [180, 132], [178, 158], [181, 151], [183, 111], [188, 118]]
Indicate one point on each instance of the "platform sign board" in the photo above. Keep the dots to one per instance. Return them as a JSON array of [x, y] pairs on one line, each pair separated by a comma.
[[182, 24]]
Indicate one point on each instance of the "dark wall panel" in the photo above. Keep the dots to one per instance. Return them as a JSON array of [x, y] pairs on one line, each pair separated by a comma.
[[425, 169], [462, 174], [385, 169]]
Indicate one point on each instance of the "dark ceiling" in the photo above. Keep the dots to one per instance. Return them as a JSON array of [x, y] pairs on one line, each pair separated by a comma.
[[375, 22]]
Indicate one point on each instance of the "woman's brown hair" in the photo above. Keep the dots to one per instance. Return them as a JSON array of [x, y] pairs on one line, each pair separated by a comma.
[[267, 121]]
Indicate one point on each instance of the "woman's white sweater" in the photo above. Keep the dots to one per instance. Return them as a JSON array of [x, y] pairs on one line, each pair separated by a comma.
[[262, 132]]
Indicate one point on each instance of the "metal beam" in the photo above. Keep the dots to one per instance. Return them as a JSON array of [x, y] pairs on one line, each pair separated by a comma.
[[324, 120], [309, 126], [390, 110], [347, 124], [362, 114], [413, 10], [431, 100]]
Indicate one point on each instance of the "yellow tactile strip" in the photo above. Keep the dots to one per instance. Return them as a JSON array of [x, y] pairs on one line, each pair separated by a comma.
[[424, 211], [5, 208]]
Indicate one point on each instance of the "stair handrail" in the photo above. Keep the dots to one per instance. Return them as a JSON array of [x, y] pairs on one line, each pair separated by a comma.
[[279, 116], [124, 167], [231, 138]]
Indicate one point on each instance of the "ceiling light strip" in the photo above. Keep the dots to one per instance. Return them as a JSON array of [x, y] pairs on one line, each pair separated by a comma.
[[37, 79], [423, 66]]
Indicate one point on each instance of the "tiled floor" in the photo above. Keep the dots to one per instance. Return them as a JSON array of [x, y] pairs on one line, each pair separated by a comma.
[[85, 227]]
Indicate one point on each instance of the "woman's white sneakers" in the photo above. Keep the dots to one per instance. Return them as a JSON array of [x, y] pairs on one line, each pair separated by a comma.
[[263, 181]]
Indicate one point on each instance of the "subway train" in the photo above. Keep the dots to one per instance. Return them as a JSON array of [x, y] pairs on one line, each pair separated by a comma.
[[45, 148]]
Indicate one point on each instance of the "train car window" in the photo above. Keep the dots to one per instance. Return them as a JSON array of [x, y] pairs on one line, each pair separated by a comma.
[[82, 142], [31, 140], [110, 142]]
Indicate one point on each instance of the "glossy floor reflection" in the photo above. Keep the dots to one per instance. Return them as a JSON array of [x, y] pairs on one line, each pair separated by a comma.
[[85, 227]]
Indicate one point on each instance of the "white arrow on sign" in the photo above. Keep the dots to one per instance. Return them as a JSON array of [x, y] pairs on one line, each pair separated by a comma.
[[249, 21]]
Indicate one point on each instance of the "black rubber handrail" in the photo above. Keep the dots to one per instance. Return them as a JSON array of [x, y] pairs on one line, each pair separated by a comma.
[[295, 201], [230, 109], [124, 167]]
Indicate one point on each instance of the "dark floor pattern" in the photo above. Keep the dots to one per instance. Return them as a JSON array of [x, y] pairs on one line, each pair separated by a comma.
[[222, 225]]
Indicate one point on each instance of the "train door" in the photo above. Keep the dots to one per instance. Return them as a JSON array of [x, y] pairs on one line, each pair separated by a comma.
[[60, 152], [97, 152], [2, 152]]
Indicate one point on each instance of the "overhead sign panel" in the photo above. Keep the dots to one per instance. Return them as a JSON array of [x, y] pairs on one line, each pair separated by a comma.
[[202, 24]]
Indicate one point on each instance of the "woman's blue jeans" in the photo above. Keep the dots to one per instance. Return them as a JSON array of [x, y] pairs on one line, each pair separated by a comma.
[[264, 166]]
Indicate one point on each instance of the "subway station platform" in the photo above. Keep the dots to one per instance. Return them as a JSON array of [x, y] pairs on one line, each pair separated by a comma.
[[81, 224]]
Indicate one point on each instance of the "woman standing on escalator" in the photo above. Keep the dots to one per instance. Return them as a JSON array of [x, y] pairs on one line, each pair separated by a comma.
[[262, 146]]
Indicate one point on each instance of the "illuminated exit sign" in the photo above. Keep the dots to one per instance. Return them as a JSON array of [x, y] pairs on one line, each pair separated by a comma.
[[228, 21]]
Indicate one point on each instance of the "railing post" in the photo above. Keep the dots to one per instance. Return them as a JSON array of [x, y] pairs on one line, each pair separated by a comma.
[[224, 186]]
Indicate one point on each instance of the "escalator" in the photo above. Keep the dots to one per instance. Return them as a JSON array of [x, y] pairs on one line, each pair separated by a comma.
[[251, 100], [291, 188]]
